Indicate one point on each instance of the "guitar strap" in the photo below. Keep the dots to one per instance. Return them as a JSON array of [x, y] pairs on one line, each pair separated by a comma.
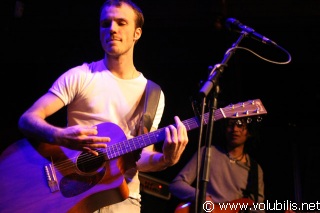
[[151, 101], [252, 186]]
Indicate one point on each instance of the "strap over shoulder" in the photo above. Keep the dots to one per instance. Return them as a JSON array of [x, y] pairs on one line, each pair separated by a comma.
[[152, 96], [253, 179], [150, 101]]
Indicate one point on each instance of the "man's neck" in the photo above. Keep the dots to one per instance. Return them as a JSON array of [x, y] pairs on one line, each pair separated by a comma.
[[235, 150], [121, 67]]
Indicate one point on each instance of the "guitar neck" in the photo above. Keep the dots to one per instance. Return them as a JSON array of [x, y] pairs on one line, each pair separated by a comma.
[[245, 109], [150, 138]]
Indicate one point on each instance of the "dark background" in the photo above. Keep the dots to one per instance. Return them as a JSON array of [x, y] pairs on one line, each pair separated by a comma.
[[180, 40]]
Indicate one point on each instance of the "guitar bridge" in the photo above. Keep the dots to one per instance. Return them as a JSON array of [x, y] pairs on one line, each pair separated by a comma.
[[51, 178]]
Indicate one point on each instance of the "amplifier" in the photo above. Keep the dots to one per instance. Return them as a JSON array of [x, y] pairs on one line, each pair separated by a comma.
[[154, 186]]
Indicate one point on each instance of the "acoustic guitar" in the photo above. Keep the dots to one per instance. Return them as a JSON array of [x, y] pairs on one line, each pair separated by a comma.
[[41, 177]]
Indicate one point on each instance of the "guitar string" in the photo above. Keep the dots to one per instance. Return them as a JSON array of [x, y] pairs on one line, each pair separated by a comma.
[[122, 147]]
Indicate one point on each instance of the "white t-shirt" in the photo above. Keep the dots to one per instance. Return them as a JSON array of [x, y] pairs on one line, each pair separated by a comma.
[[94, 95]]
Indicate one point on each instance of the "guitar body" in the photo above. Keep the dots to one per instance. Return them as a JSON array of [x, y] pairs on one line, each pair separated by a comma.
[[24, 180], [189, 207]]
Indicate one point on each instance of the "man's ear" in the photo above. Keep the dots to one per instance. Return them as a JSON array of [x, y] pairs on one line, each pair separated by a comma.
[[137, 33]]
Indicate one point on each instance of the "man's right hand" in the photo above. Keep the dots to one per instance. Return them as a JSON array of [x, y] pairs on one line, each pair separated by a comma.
[[82, 138]]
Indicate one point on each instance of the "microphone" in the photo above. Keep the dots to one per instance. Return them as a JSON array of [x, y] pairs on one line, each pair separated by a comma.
[[235, 25]]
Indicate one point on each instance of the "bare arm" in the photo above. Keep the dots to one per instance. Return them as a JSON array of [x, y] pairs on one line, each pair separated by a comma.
[[33, 125]]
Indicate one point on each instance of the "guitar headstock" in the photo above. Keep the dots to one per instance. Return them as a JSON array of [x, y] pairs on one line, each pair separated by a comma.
[[244, 109]]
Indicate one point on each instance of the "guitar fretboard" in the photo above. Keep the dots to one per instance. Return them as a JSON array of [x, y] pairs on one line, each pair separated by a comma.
[[249, 108]]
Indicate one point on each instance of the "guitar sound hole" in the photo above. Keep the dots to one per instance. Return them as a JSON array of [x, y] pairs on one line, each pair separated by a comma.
[[89, 163]]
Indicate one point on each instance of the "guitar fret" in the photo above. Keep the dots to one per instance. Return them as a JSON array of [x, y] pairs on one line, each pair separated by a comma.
[[116, 150], [122, 147], [111, 151], [141, 142], [153, 136], [127, 147], [134, 143]]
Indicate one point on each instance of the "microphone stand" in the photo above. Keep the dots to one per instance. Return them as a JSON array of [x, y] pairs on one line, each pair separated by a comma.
[[212, 82]]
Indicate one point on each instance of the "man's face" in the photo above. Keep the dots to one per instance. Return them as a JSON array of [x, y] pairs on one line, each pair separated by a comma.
[[236, 131], [118, 32]]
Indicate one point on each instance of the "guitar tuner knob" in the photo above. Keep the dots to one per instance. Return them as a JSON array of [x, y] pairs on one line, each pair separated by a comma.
[[246, 112], [257, 111]]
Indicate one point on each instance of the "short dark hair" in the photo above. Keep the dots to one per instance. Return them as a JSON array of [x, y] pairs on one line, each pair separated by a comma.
[[139, 15]]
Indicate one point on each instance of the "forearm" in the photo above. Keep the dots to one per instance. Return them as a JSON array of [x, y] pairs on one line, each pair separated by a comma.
[[151, 161], [37, 128]]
